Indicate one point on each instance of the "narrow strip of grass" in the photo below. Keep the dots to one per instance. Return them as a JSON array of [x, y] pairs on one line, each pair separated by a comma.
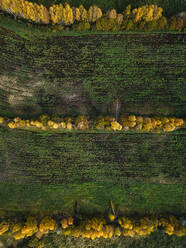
[[132, 197]]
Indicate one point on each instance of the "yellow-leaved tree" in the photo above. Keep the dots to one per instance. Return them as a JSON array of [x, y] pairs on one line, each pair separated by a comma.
[[94, 13], [147, 13], [27, 10], [55, 12], [61, 15], [112, 14], [76, 14], [68, 14], [43, 14], [83, 13]]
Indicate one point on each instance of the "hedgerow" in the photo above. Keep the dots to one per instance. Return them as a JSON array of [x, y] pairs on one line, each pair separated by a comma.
[[99, 226], [108, 123]]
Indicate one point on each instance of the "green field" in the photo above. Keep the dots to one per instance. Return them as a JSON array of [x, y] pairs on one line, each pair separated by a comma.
[[85, 73], [67, 73], [138, 172], [45, 173]]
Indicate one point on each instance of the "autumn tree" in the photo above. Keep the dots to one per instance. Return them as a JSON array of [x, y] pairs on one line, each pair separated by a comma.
[[147, 13], [76, 14], [83, 13], [112, 14], [94, 13], [27, 10]]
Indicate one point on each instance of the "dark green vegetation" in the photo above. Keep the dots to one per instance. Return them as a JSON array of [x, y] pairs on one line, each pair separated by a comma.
[[141, 173], [83, 73], [170, 7]]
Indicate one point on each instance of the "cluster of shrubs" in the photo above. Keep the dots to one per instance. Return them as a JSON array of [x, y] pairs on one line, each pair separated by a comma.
[[21, 229], [44, 122], [147, 17], [108, 123], [95, 227], [147, 124]]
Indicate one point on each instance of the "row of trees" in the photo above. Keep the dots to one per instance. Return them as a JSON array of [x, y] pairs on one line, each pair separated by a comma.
[[139, 22], [147, 17], [27, 10], [95, 227], [124, 226], [66, 15], [57, 14], [109, 123], [147, 13]]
